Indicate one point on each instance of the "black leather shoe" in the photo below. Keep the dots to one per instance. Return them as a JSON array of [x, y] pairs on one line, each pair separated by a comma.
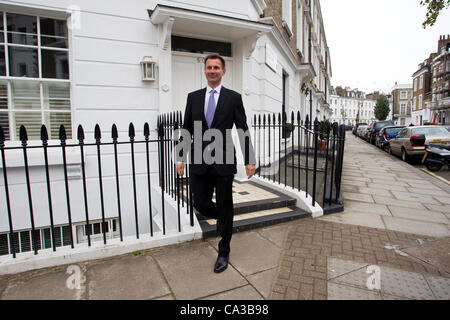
[[221, 264]]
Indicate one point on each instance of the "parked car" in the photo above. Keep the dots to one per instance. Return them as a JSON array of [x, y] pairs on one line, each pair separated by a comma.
[[365, 133], [386, 134], [360, 130], [404, 147], [375, 127], [355, 128]]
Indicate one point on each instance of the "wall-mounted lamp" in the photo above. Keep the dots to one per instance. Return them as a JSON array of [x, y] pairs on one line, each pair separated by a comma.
[[148, 69]]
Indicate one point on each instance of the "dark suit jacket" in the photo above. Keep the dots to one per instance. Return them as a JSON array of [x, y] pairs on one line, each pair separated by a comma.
[[230, 110]]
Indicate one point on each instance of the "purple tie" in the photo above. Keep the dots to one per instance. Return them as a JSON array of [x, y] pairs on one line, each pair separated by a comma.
[[211, 109]]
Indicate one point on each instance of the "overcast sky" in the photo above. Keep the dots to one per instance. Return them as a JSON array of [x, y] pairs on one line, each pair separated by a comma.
[[374, 43]]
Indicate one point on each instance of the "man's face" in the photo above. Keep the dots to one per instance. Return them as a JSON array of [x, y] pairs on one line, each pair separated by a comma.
[[214, 72]]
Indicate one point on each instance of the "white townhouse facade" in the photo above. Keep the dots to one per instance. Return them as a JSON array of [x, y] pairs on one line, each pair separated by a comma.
[[351, 106], [402, 102], [79, 62]]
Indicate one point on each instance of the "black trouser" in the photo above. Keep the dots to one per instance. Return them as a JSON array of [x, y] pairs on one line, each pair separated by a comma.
[[203, 187]]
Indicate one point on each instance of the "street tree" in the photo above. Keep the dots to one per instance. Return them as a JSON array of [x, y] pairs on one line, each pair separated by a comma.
[[382, 108], [434, 8]]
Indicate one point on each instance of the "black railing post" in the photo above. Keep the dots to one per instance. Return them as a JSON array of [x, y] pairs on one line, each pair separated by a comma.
[[161, 169], [285, 131], [307, 151], [292, 149], [176, 176], [24, 138], [63, 138], [269, 146], [8, 203], [334, 129], [274, 146], [131, 135], [299, 144], [44, 139], [326, 164], [279, 146], [147, 152], [115, 136], [341, 139], [259, 143], [98, 137], [80, 137], [316, 139], [264, 139]]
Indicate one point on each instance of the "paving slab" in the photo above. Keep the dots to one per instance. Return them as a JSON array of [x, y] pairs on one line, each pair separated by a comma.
[[358, 197], [442, 199], [391, 183], [375, 191], [418, 214], [41, 286], [416, 227], [398, 203], [189, 271], [440, 286], [251, 253], [389, 186], [438, 207], [354, 183], [435, 252], [338, 267], [431, 192], [405, 284], [275, 234], [416, 197], [343, 292], [262, 281], [128, 278], [355, 206], [386, 296], [356, 218], [243, 293]]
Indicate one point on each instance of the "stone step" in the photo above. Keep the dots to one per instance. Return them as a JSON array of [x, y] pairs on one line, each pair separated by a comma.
[[253, 220]]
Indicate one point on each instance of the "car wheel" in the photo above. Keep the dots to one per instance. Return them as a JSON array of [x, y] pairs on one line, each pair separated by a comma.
[[404, 155], [432, 166]]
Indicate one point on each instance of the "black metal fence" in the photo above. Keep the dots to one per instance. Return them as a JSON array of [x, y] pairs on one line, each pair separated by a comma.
[[163, 143], [287, 153]]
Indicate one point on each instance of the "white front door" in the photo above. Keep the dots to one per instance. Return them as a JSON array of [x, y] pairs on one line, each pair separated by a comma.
[[188, 75]]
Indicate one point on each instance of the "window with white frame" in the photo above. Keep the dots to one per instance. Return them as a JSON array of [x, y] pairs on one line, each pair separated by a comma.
[[415, 84], [403, 94], [421, 82], [403, 108], [420, 102], [300, 26], [34, 75], [287, 13], [111, 229], [23, 240]]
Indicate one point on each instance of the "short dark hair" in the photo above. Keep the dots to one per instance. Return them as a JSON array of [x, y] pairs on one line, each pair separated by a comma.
[[215, 56]]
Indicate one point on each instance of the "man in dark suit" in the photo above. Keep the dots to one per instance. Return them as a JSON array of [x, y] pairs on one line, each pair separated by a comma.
[[217, 109]]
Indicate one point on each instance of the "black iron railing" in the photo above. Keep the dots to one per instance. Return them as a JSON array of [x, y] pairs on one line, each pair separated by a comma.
[[163, 143], [287, 153]]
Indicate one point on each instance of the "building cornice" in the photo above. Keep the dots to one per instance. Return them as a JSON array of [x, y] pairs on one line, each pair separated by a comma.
[[259, 5]]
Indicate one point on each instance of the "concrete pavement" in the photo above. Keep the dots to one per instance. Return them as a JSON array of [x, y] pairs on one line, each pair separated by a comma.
[[391, 242]]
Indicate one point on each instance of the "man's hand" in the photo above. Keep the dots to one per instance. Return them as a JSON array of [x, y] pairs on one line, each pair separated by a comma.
[[180, 169], [250, 170]]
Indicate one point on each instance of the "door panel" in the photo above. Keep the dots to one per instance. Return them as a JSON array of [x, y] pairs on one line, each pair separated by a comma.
[[188, 75]]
